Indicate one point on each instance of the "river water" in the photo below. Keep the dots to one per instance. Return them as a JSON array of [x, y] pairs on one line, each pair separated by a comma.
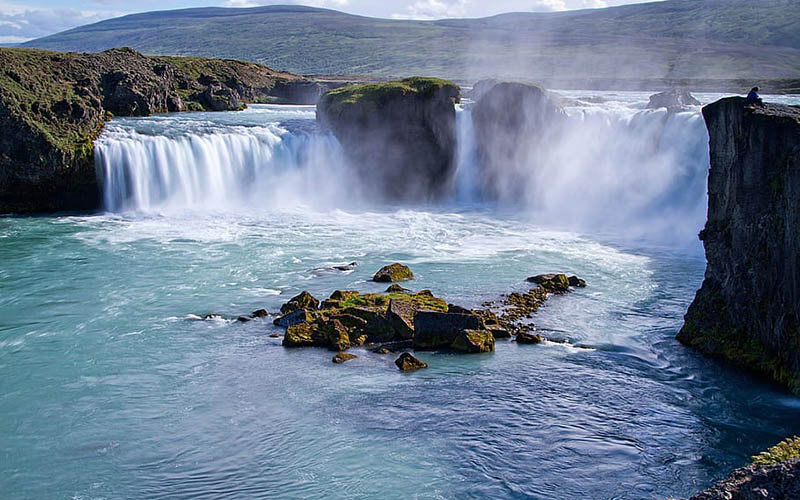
[[111, 386]]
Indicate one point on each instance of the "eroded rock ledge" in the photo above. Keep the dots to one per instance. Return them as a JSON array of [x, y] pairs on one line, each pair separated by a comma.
[[748, 309], [54, 105]]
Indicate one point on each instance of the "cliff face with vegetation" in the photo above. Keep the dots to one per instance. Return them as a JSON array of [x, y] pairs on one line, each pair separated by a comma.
[[401, 135], [748, 309], [54, 105]]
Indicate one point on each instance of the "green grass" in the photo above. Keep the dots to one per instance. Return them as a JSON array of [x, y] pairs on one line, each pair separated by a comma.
[[712, 39], [377, 93]]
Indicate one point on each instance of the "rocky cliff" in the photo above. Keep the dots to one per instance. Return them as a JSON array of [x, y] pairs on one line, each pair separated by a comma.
[[512, 122], [748, 309], [400, 135], [53, 105]]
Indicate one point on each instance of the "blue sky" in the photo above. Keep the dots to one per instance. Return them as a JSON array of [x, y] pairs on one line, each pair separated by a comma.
[[22, 20]]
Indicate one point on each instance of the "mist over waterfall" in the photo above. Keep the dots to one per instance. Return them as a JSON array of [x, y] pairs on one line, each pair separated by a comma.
[[606, 166], [612, 165]]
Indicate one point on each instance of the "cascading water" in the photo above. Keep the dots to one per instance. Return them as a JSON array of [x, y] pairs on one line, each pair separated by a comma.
[[223, 161], [613, 165]]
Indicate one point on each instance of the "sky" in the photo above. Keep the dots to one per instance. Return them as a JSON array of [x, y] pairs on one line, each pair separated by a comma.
[[22, 20]]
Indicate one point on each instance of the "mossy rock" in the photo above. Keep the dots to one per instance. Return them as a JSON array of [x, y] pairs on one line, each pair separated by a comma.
[[343, 357], [300, 335], [552, 282], [376, 94], [407, 362], [788, 449], [304, 301], [529, 338], [393, 273], [473, 341]]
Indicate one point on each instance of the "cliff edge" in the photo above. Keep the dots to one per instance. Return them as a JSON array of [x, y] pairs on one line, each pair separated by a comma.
[[54, 105], [748, 309]]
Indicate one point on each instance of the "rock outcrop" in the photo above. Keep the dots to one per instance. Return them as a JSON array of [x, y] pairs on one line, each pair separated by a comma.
[[674, 99], [54, 105], [400, 135], [773, 475], [748, 309], [392, 273], [512, 122]]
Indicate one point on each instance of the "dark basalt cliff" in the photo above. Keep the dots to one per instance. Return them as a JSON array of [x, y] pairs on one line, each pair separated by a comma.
[[54, 105], [748, 309], [400, 135], [512, 122]]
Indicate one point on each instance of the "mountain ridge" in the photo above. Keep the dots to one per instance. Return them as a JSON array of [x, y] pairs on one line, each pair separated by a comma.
[[671, 39]]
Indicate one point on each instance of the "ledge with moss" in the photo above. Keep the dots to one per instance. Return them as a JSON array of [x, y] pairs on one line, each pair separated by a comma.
[[401, 135], [54, 105]]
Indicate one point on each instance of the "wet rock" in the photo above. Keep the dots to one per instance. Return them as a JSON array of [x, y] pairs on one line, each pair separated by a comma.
[[382, 350], [473, 341], [441, 330], [400, 315], [299, 335], [672, 99], [302, 301], [343, 357], [212, 316], [455, 309], [261, 313], [244, 319], [348, 267], [529, 338], [335, 269], [406, 362], [275, 335], [293, 318], [576, 282], [397, 289], [393, 272], [552, 282], [757, 482], [339, 298], [335, 335]]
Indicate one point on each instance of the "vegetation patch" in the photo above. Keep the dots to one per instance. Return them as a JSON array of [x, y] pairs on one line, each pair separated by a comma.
[[788, 449]]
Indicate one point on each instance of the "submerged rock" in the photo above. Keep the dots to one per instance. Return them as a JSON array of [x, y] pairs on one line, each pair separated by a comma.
[[343, 357], [406, 362], [260, 313], [244, 319], [576, 282], [400, 135], [529, 338], [553, 283], [393, 272], [748, 308], [672, 99], [397, 289]]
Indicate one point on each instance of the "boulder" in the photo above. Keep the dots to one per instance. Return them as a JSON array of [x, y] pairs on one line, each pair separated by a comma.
[[339, 299], [397, 289], [441, 330], [400, 135], [293, 318], [342, 357], [529, 338], [552, 282], [576, 282], [473, 341], [393, 272], [674, 99], [400, 315], [302, 301], [260, 313], [406, 362], [299, 335], [244, 319], [334, 335]]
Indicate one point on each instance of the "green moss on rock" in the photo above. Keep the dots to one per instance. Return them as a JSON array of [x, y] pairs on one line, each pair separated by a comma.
[[392, 273], [788, 449]]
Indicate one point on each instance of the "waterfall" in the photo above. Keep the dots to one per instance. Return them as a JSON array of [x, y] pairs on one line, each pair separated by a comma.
[[609, 166], [184, 166], [641, 170]]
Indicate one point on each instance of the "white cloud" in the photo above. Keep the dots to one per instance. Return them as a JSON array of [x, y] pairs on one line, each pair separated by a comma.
[[19, 23], [312, 3], [595, 4], [548, 5], [434, 9]]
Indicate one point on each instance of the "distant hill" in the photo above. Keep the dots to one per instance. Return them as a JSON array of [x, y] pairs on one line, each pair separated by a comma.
[[675, 39]]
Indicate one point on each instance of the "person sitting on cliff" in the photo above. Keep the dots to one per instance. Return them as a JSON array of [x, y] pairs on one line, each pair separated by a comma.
[[753, 98]]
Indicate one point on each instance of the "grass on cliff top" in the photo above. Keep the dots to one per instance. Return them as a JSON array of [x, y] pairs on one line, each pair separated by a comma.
[[781, 452], [374, 93]]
